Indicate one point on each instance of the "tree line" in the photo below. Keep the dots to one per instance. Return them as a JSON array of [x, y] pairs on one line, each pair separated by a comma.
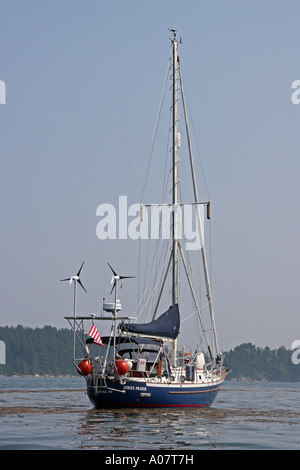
[[38, 351], [255, 363], [48, 351]]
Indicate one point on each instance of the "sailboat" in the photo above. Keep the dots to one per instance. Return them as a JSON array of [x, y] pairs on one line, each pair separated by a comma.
[[141, 364]]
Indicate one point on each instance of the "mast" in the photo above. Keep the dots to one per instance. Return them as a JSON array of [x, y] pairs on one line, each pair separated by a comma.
[[176, 76], [175, 174], [175, 249], [175, 190]]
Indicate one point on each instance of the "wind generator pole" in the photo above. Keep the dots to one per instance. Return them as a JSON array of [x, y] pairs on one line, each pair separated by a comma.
[[114, 323], [74, 323], [115, 279], [175, 188], [75, 279]]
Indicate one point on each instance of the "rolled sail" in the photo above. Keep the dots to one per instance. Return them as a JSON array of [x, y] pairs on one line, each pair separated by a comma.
[[165, 326]]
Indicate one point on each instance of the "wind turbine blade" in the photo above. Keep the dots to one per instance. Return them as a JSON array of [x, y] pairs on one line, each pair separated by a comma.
[[126, 277], [79, 282], [68, 278], [115, 274], [113, 287], [80, 269]]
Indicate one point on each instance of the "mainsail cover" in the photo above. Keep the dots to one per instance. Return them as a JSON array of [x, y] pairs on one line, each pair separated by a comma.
[[166, 326]]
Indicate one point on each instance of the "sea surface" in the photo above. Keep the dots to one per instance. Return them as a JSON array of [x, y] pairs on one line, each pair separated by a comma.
[[55, 413]]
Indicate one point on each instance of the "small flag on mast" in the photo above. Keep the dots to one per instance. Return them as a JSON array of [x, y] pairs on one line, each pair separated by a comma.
[[93, 333]]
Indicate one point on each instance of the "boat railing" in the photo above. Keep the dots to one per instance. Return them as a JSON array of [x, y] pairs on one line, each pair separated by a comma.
[[185, 356]]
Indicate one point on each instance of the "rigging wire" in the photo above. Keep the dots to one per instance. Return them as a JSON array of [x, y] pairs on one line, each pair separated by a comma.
[[146, 177], [156, 127], [147, 173], [203, 175], [195, 139]]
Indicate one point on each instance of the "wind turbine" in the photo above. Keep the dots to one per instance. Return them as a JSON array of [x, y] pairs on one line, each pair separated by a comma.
[[116, 278], [75, 279]]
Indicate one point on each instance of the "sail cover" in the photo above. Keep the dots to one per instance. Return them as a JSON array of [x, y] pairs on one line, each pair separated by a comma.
[[166, 326]]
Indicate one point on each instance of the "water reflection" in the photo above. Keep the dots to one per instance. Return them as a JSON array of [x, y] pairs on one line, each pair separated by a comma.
[[147, 429], [160, 429]]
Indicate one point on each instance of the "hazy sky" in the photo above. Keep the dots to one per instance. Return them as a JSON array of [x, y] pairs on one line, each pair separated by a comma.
[[83, 84]]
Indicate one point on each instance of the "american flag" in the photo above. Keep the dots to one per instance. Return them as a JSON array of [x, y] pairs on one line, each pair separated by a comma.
[[93, 333]]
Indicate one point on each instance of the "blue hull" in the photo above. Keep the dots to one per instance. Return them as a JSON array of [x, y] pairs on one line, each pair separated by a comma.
[[144, 395]]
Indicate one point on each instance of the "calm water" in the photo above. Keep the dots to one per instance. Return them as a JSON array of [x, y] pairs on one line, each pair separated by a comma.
[[55, 413]]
